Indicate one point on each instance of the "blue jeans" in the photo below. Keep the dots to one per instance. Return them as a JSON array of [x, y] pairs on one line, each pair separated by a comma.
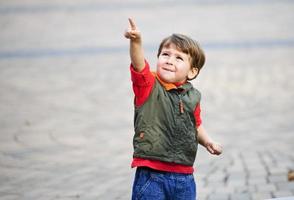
[[150, 184]]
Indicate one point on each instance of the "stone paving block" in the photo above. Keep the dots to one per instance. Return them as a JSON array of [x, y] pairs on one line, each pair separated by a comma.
[[262, 195], [287, 163], [254, 165], [224, 189], [283, 198], [266, 188], [241, 196], [258, 173], [278, 171], [246, 189], [204, 192], [217, 177], [11, 196], [278, 178], [201, 196], [282, 193], [220, 196], [214, 184], [285, 186], [257, 180], [237, 175], [236, 183]]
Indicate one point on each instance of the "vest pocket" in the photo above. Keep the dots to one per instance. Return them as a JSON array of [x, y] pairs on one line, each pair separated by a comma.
[[143, 142], [150, 143]]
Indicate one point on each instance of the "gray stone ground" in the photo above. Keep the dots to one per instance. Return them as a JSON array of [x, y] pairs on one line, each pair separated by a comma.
[[66, 99]]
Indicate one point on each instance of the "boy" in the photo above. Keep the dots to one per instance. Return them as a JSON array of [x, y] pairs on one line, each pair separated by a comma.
[[167, 118]]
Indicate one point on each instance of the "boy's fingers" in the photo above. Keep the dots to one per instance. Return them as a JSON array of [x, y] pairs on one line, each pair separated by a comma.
[[127, 35], [132, 23], [214, 148], [130, 35], [218, 149], [210, 149]]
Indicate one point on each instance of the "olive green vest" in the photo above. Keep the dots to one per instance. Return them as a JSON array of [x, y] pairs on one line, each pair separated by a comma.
[[165, 128]]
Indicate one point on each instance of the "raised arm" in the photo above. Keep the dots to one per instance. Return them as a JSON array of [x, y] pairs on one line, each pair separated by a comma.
[[136, 49]]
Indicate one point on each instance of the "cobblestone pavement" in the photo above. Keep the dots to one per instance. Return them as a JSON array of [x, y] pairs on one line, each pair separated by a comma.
[[66, 99]]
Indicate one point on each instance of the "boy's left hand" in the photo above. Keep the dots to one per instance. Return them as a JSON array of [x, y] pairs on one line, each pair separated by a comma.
[[214, 148]]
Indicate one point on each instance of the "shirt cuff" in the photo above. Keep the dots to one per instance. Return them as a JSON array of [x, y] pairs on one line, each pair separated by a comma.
[[197, 115]]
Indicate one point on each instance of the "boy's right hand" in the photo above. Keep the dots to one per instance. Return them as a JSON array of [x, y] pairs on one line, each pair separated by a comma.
[[132, 33]]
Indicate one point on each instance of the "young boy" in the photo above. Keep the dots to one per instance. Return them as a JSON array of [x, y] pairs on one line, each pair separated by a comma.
[[167, 118]]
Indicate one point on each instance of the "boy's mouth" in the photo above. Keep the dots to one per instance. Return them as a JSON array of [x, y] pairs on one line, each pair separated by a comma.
[[168, 69]]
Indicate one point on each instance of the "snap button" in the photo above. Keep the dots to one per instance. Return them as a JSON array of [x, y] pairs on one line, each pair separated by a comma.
[[141, 135]]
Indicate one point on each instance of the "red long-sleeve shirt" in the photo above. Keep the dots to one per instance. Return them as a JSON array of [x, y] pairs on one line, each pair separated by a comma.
[[142, 85]]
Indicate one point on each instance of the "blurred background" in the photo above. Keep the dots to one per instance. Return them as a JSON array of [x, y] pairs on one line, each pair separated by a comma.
[[66, 102]]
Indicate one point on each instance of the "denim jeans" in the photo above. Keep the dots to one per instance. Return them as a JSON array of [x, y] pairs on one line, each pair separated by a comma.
[[155, 185]]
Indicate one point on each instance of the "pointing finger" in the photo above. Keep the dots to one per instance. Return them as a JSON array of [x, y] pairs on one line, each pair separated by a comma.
[[132, 23]]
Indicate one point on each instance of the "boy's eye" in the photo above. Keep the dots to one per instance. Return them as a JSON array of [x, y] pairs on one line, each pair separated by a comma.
[[164, 54], [179, 58]]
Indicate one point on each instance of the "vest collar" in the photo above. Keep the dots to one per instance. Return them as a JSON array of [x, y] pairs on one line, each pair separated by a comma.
[[171, 86]]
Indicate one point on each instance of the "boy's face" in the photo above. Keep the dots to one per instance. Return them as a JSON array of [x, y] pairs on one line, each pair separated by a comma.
[[174, 66]]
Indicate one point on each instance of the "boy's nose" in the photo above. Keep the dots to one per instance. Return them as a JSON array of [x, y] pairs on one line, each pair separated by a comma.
[[169, 61]]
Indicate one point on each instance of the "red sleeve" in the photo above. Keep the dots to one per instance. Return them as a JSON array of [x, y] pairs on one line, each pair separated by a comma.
[[197, 115], [142, 83]]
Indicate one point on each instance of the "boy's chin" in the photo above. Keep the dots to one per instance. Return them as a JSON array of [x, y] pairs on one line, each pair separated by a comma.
[[166, 78]]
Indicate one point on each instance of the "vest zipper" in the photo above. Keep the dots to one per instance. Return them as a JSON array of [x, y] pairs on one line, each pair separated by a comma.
[[181, 106]]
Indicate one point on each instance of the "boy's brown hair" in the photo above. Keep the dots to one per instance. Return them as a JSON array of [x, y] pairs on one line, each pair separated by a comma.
[[186, 45]]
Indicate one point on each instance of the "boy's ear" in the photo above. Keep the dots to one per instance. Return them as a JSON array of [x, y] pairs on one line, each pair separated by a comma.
[[193, 73]]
